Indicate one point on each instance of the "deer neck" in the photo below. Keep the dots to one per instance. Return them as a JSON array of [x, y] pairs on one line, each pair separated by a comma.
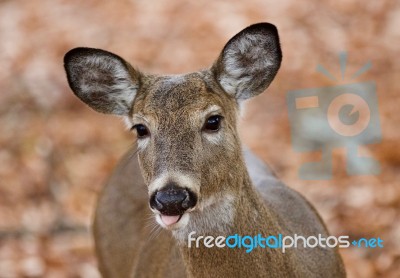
[[238, 211], [242, 213]]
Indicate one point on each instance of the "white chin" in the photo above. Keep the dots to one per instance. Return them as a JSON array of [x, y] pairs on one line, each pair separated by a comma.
[[183, 221]]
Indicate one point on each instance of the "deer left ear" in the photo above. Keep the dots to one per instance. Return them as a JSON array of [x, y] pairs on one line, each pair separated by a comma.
[[249, 61], [103, 80]]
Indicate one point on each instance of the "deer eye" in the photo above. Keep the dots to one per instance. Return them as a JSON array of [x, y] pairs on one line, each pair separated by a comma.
[[141, 130], [213, 123]]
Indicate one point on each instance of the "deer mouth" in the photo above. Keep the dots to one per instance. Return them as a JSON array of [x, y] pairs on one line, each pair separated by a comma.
[[173, 222], [169, 220]]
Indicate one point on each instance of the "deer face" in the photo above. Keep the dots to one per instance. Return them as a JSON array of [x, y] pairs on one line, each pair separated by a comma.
[[188, 146], [186, 135]]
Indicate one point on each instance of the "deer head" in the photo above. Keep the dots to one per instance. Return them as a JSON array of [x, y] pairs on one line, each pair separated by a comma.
[[186, 125]]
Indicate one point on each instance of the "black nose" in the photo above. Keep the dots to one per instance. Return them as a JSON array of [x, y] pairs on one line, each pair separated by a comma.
[[173, 200]]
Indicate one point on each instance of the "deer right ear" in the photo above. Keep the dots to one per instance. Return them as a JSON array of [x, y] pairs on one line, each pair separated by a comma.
[[249, 61], [102, 80]]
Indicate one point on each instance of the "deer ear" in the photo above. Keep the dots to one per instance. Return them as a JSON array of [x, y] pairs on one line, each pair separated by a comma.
[[249, 61], [102, 80]]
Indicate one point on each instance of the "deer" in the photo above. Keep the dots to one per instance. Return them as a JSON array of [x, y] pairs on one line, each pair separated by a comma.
[[189, 172]]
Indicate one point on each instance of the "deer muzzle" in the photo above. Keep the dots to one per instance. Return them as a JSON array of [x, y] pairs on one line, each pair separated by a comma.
[[172, 202]]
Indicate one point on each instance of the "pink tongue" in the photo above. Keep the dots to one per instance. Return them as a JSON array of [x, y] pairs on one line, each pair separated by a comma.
[[169, 220]]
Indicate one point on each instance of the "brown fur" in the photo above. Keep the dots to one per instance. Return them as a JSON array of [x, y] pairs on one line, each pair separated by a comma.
[[173, 109]]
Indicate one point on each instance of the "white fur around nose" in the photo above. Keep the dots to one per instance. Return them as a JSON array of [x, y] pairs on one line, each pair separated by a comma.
[[181, 179]]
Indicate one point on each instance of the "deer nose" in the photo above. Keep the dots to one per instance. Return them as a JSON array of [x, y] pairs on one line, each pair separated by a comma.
[[173, 200]]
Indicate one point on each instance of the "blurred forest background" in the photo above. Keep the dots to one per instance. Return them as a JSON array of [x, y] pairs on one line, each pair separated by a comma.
[[56, 153]]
